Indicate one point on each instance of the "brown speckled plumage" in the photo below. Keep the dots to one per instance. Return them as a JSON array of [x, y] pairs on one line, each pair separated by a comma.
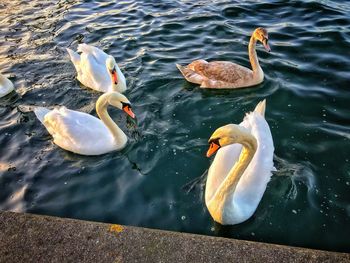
[[224, 74]]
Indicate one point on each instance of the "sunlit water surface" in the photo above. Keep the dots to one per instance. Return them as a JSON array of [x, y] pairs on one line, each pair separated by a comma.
[[306, 203]]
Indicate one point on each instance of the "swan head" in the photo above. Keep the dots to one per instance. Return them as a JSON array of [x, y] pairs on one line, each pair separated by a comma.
[[121, 102], [229, 134], [112, 69], [261, 34]]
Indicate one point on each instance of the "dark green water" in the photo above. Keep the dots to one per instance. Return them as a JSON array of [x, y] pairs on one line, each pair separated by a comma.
[[307, 77]]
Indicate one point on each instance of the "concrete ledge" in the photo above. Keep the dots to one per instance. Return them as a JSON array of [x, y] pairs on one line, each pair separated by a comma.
[[34, 238]]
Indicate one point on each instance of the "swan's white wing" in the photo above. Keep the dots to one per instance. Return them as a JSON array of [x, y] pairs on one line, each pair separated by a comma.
[[253, 182], [78, 132], [6, 86], [95, 75], [99, 54]]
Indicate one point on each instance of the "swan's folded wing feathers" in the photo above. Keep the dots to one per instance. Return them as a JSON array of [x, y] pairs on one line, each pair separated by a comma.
[[252, 184], [224, 71], [261, 130], [198, 65], [58, 126], [99, 54], [74, 130], [95, 74]]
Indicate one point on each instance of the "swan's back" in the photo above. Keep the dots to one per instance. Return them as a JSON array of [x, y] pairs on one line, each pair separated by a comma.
[[77, 132], [94, 73], [99, 54]]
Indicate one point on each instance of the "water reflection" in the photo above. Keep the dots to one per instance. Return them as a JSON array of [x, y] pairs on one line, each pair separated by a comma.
[[307, 109]]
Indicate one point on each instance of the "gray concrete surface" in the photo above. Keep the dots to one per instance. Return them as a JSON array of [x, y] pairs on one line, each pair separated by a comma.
[[34, 238]]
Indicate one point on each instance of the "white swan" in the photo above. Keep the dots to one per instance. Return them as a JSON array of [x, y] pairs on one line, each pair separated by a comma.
[[6, 86], [238, 176], [228, 75], [84, 134], [97, 70]]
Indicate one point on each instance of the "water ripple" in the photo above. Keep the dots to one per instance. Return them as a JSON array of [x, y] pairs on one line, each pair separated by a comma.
[[306, 86]]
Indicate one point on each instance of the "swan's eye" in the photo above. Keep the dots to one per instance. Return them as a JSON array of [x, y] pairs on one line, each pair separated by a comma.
[[126, 105], [127, 108], [113, 71], [215, 141], [214, 145]]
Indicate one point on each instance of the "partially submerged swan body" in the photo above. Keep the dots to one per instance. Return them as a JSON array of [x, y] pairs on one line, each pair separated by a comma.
[[6, 86], [97, 70], [224, 74], [242, 167], [83, 133]]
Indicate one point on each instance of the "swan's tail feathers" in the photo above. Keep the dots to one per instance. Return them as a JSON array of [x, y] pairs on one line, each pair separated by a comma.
[[260, 108], [74, 56], [190, 75], [40, 113], [85, 48]]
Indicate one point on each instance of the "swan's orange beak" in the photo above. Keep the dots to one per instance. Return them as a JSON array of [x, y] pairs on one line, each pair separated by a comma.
[[115, 77], [212, 149], [266, 45], [128, 111]]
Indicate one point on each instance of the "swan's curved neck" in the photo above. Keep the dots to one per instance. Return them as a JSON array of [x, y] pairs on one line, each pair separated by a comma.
[[228, 186], [253, 58], [236, 172], [101, 109]]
